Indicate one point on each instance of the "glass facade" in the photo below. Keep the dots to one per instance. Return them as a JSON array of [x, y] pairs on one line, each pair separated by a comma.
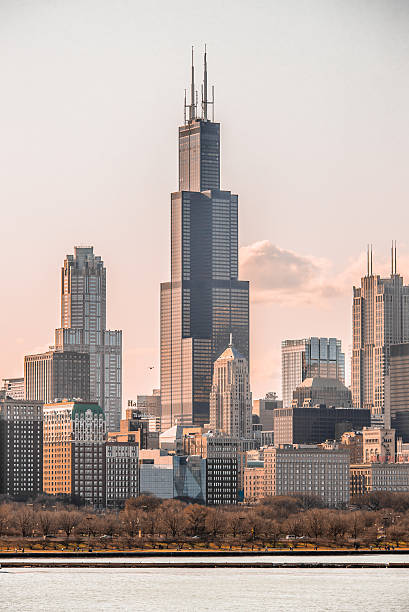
[[310, 358], [205, 301]]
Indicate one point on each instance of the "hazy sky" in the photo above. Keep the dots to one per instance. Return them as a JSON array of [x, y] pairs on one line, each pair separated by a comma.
[[313, 100]]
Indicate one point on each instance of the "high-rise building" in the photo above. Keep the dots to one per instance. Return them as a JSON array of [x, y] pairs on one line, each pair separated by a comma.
[[309, 358], [230, 398], [204, 301], [121, 472], [74, 451], [57, 375], [14, 388], [380, 318], [83, 329], [263, 410], [149, 404], [21, 447], [314, 425], [329, 391], [397, 391]]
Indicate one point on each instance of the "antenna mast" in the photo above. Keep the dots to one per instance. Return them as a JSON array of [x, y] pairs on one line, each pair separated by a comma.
[[205, 100]]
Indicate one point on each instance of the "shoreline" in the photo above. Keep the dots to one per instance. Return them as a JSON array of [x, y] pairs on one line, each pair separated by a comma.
[[193, 553]]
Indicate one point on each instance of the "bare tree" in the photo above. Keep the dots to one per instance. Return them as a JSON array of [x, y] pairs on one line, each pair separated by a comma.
[[25, 521], [67, 521], [172, 518], [196, 519]]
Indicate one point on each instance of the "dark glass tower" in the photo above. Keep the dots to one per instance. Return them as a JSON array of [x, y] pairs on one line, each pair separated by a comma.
[[204, 301]]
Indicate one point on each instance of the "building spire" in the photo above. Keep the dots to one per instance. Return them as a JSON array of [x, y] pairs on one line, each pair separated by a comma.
[[231, 339], [192, 113], [204, 96]]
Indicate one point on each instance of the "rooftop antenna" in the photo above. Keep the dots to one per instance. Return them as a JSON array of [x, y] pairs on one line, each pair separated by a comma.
[[184, 109], [231, 339], [392, 258], [192, 114], [205, 100], [367, 260], [371, 259], [396, 269]]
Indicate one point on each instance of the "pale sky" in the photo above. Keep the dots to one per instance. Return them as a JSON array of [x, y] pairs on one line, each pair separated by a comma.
[[313, 100]]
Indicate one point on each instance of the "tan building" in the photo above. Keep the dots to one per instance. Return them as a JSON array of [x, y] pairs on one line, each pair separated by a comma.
[[254, 481], [378, 445], [380, 318], [308, 470], [263, 409], [369, 477], [135, 428], [352, 441], [73, 451], [230, 398]]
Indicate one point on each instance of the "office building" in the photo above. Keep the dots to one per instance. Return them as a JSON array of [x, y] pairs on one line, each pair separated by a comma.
[[172, 476], [368, 477], [230, 397], [378, 445], [310, 470], [310, 358], [83, 329], [263, 410], [204, 301], [121, 472], [150, 404], [380, 318], [14, 388], [328, 391], [137, 428], [57, 375], [254, 482], [316, 424], [397, 391], [74, 451], [352, 441], [21, 447]]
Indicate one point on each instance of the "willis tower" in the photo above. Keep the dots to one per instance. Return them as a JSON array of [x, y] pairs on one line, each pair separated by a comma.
[[204, 302]]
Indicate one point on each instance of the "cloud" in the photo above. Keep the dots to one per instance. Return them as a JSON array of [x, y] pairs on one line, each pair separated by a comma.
[[285, 277]]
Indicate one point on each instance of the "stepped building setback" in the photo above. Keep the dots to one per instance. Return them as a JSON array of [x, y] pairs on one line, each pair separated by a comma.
[[204, 301]]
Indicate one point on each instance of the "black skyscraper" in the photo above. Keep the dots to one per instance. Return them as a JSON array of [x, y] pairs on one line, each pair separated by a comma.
[[204, 301]]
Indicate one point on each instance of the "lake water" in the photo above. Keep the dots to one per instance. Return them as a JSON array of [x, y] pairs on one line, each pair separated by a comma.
[[206, 589]]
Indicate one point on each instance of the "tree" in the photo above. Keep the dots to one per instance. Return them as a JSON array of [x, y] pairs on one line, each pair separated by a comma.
[[45, 522], [172, 518], [216, 522], [25, 521], [196, 519], [67, 520]]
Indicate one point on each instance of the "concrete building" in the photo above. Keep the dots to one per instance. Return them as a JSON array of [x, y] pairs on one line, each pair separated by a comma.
[[57, 375], [230, 397], [83, 329], [263, 410], [317, 424], [121, 472], [352, 441], [14, 388], [328, 391], [378, 445], [204, 301], [309, 470], [397, 391], [136, 427], [369, 477], [254, 482], [380, 317], [310, 358], [21, 447], [150, 404], [74, 451]]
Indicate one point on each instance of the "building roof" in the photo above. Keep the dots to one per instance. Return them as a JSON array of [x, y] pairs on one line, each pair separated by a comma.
[[172, 434], [231, 353], [320, 382]]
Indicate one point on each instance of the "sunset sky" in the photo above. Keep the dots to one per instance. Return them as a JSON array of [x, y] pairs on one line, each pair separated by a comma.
[[313, 100]]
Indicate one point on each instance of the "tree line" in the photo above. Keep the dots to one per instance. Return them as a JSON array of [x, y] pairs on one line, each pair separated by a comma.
[[373, 520]]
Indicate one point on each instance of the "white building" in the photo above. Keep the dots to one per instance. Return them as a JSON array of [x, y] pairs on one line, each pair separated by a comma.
[[230, 398]]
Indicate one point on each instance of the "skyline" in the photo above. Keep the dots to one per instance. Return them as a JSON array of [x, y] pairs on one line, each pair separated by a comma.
[[52, 183]]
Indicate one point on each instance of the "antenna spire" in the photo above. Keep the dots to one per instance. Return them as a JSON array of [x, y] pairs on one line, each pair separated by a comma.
[[231, 339], [205, 85], [192, 113]]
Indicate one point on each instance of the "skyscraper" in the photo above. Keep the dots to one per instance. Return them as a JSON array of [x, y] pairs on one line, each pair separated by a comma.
[[204, 301], [309, 358], [230, 398], [83, 329], [380, 318]]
